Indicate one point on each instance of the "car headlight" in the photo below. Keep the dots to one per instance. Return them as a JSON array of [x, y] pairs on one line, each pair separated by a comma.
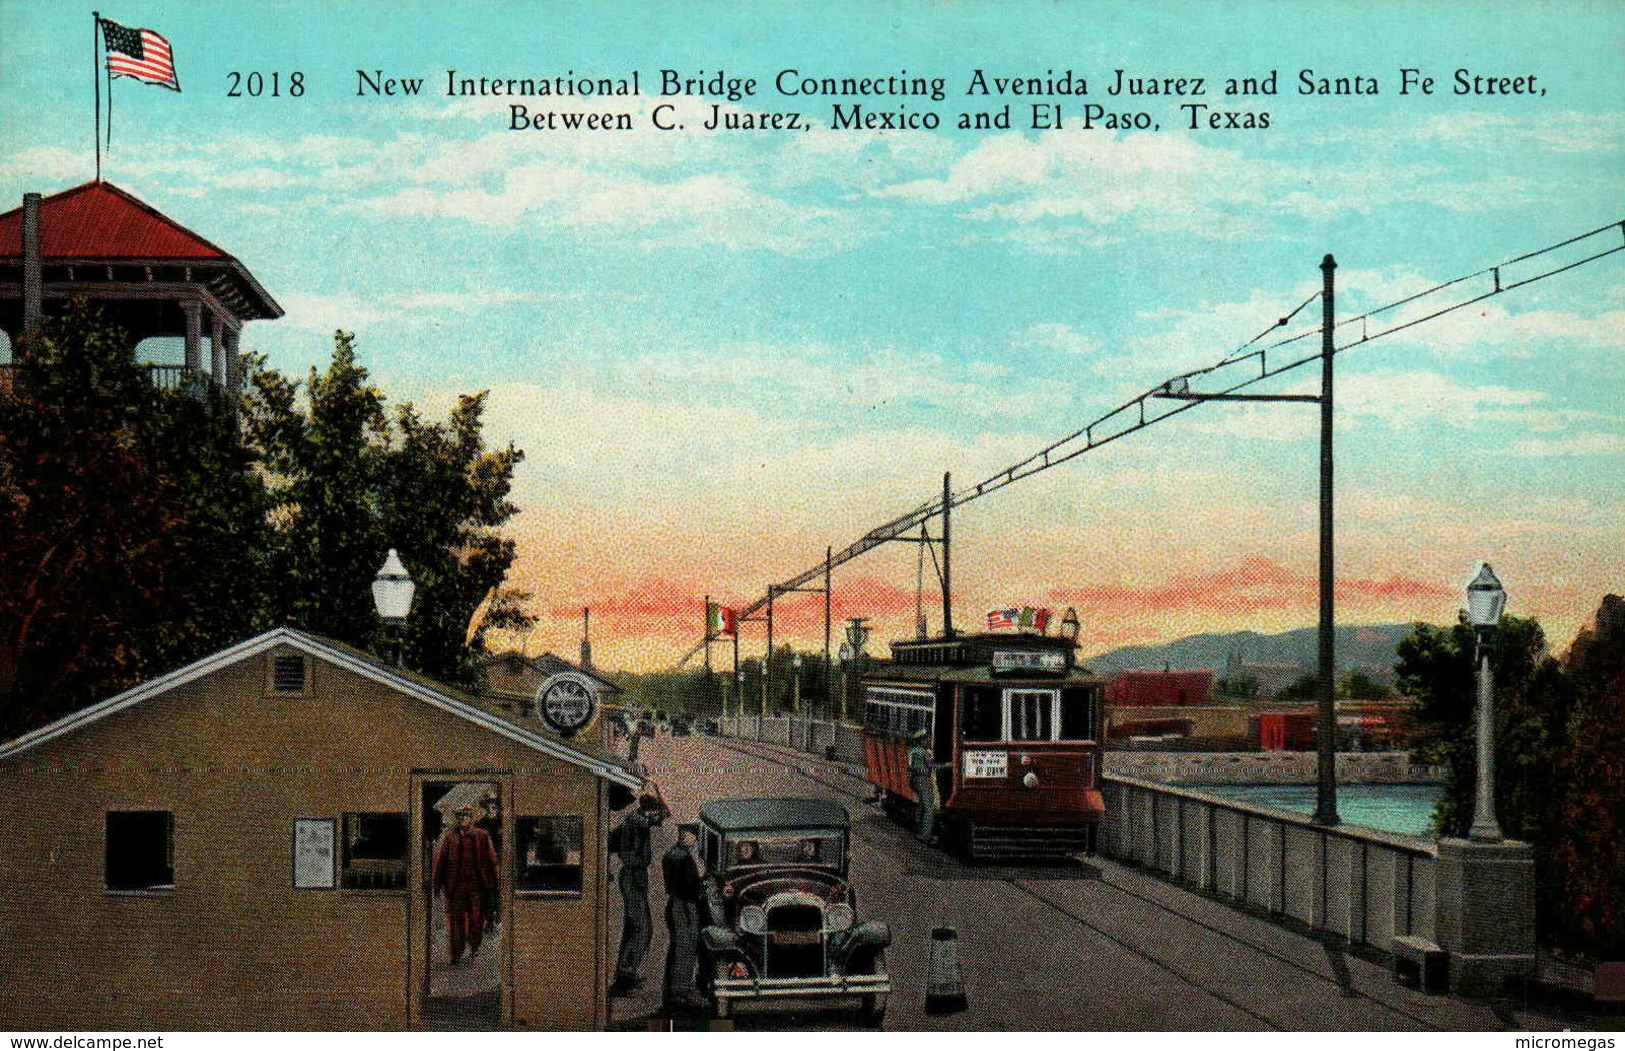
[[838, 917], [753, 919]]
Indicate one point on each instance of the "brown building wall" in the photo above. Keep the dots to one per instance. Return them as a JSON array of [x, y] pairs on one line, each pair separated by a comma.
[[234, 945]]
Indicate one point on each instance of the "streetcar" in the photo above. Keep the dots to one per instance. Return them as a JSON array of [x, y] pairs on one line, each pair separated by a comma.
[[1015, 726]]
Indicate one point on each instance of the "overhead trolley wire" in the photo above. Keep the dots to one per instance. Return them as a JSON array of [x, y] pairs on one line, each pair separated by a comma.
[[1150, 407]]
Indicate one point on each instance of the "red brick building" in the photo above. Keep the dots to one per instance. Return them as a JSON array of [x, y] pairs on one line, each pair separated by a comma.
[[1159, 689]]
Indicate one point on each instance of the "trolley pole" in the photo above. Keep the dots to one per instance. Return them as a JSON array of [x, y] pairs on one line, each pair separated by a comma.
[[1326, 766], [1326, 707], [829, 680], [947, 560]]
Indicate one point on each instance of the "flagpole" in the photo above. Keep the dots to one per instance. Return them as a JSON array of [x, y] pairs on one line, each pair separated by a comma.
[[96, 81]]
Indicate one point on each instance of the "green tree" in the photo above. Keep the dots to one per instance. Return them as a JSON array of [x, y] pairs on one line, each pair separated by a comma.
[[1243, 687], [1436, 669], [1358, 686], [1586, 888], [347, 484], [133, 523], [1303, 688]]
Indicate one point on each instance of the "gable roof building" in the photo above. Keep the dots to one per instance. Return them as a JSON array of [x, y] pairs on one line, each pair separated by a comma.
[[258, 829]]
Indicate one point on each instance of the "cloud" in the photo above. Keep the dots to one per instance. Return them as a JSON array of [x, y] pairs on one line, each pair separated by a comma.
[[1590, 443], [1066, 339], [1169, 183], [1251, 585], [716, 209], [1569, 131], [1166, 182], [324, 312]]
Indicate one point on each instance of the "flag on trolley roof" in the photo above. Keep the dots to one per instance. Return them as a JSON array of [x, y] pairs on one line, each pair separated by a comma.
[[720, 620], [139, 53], [1034, 620], [1001, 618]]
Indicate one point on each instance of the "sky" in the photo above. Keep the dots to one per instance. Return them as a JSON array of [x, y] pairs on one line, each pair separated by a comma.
[[722, 351]]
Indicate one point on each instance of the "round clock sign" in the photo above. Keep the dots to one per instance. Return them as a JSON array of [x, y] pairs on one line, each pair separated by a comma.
[[567, 702]]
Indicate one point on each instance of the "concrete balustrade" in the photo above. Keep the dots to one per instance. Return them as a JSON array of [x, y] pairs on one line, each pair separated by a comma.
[[1357, 883]]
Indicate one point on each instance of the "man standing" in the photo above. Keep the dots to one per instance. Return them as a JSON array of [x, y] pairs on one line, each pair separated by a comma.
[[634, 849], [685, 889], [922, 777], [465, 870]]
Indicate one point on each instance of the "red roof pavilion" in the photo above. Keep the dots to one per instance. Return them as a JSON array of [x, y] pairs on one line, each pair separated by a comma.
[[150, 275]]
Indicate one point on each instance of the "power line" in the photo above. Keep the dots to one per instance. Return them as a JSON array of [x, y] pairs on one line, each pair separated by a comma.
[[1241, 368]]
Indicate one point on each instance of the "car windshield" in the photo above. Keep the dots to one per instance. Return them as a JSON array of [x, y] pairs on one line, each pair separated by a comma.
[[782, 849]]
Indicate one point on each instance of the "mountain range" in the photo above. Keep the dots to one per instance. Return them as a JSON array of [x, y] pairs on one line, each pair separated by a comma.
[[1369, 647]]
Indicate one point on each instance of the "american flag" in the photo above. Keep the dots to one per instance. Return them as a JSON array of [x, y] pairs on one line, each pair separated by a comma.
[[1001, 618], [139, 53]]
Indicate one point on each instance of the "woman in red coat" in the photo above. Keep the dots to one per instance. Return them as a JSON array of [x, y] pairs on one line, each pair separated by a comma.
[[465, 869]]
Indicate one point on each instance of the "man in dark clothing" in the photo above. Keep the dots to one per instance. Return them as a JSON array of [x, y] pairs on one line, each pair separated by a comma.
[[636, 852], [685, 891], [465, 871]]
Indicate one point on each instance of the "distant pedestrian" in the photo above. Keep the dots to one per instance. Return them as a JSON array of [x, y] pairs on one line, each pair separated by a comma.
[[922, 778], [630, 842], [465, 871], [685, 893]]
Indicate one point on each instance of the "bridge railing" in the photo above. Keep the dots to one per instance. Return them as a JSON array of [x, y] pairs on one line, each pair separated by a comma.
[[1359, 884], [814, 736]]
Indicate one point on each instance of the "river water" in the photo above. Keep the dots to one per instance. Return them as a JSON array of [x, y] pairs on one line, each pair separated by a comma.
[[1407, 809]]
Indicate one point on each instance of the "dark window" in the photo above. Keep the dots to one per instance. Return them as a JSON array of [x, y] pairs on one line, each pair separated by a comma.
[[1077, 715], [549, 855], [981, 719], [1030, 713], [374, 852], [140, 849], [288, 674]]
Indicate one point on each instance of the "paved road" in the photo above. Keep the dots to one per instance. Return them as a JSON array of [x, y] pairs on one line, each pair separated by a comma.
[[1095, 946]]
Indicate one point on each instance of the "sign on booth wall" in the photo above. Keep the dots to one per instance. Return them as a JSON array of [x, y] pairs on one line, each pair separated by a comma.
[[314, 853]]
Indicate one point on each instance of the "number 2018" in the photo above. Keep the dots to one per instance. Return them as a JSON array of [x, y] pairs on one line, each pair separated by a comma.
[[270, 85]]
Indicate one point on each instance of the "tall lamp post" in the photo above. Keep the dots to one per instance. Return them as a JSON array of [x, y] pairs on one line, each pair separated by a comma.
[[392, 591], [1486, 600]]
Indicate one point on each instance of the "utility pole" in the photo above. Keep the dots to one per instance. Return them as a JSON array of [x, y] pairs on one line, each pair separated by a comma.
[[829, 679], [1326, 766], [767, 662], [1326, 707], [947, 561]]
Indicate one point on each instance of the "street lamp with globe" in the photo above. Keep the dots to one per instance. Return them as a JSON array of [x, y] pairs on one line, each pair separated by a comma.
[[392, 591], [1486, 601]]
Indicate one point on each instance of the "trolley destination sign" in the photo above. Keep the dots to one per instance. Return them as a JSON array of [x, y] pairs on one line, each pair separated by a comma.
[[1047, 662]]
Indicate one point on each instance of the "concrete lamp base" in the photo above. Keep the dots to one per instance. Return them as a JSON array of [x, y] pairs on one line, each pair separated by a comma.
[[1486, 913]]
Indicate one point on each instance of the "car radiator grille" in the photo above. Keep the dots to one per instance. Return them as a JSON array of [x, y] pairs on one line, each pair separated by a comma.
[[795, 946]]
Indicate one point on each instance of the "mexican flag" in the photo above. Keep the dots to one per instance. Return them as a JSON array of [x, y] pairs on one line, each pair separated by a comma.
[[719, 620], [1031, 619]]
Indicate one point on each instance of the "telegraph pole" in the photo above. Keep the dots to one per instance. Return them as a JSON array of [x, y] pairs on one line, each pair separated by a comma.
[[829, 679], [947, 568], [1326, 707], [1326, 739]]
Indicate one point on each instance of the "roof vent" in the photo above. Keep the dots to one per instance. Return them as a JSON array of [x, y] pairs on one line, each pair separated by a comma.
[[288, 674]]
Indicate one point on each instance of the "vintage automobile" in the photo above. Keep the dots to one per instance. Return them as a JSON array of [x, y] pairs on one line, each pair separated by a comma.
[[784, 925]]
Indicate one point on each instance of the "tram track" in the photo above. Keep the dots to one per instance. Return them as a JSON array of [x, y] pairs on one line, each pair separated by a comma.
[[769, 753]]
